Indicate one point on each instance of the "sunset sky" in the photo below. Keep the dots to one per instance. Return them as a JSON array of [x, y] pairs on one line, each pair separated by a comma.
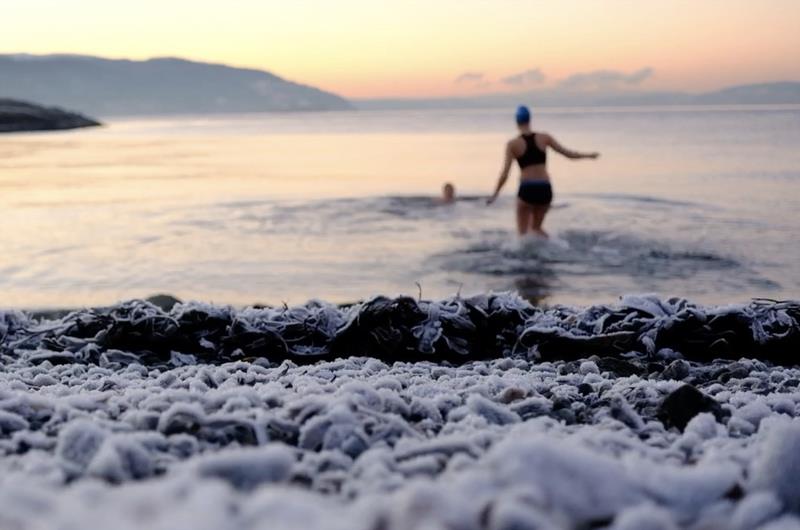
[[422, 48]]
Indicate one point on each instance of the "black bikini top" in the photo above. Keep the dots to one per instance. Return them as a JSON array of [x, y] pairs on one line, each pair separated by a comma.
[[532, 155]]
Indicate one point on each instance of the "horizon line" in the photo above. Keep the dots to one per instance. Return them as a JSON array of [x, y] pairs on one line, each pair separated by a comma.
[[432, 98]]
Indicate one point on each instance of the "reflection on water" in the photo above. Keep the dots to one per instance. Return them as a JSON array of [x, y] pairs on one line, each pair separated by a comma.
[[277, 208], [536, 288]]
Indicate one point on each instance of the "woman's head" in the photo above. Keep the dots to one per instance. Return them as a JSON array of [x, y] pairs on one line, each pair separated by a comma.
[[523, 115]]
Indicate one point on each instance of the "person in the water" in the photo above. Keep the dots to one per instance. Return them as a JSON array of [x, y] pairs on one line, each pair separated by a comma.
[[535, 193], [448, 194]]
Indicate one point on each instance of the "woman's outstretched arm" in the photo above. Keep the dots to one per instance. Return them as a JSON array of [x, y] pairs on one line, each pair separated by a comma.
[[509, 158], [574, 155]]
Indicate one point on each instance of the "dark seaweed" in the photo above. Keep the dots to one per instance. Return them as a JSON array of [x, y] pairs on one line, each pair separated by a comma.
[[404, 329]]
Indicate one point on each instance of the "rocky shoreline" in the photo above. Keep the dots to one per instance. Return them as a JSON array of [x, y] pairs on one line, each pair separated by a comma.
[[649, 413], [20, 116]]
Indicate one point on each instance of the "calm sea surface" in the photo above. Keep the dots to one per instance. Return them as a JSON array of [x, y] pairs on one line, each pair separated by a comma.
[[700, 202]]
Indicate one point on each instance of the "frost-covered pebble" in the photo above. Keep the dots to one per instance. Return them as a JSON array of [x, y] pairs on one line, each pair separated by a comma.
[[753, 412], [589, 367], [644, 517], [777, 465], [755, 510]]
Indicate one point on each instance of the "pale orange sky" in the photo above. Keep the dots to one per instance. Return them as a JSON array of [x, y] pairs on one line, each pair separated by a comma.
[[418, 48]]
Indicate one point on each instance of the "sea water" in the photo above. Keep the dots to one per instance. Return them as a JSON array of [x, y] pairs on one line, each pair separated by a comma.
[[698, 202]]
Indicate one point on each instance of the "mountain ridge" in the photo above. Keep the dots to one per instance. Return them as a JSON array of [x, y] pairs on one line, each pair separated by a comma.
[[160, 85], [172, 85]]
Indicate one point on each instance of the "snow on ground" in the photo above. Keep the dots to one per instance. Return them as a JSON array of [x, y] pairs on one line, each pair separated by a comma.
[[634, 440]]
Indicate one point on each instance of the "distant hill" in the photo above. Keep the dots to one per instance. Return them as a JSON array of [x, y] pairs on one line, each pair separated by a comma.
[[785, 92], [16, 116], [775, 93], [157, 86]]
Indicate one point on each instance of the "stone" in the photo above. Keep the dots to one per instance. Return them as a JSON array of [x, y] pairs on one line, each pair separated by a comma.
[[683, 404]]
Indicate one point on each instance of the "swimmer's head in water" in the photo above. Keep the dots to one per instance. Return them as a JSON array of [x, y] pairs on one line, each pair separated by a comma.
[[448, 192], [523, 115]]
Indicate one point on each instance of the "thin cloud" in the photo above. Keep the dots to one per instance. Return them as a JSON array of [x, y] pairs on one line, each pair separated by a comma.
[[605, 79], [534, 76], [471, 78]]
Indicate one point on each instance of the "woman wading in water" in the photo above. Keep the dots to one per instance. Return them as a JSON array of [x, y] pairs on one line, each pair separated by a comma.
[[535, 193]]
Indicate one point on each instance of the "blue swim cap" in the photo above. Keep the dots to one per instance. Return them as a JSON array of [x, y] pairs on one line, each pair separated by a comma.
[[523, 115]]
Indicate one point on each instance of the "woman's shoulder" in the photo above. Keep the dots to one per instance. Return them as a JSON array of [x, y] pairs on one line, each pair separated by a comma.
[[515, 145], [543, 138]]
